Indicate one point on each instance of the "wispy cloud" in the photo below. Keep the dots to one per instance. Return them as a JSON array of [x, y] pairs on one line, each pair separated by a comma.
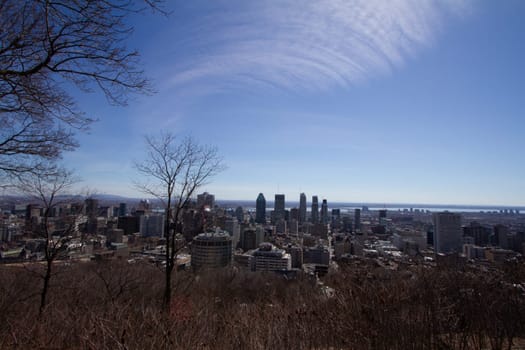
[[309, 45]]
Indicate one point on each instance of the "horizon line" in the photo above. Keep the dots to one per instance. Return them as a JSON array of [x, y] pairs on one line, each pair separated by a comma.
[[357, 203]]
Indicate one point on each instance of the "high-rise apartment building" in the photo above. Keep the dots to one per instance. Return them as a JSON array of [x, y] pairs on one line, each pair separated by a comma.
[[315, 210], [260, 209], [447, 232], [302, 208]]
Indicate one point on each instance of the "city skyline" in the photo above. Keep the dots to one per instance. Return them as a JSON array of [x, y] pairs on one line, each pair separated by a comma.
[[414, 102]]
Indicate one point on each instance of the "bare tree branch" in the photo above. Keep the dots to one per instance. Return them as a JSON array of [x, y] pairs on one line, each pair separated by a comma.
[[47, 46]]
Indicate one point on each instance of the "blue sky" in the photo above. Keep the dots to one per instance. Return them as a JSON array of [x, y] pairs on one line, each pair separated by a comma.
[[363, 101]]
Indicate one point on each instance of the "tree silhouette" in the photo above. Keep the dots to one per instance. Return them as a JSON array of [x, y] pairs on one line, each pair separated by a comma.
[[48, 190], [175, 171], [48, 48]]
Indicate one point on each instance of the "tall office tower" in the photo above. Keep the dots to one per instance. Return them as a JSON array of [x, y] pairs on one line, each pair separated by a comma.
[[234, 229], [294, 214], [279, 211], [91, 207], [32, 221], [205, 200], [251, 237], [302, 208], [239, 214], [315, 210], [122, 209], [130, 224], [382, 217], [324, 212], [336, 217], [501, 234], [348, 224], [144, 205], [33, 210], [357, 219], [260, 209], [104, 212], [447, 232], [481, 234], [152, 225]]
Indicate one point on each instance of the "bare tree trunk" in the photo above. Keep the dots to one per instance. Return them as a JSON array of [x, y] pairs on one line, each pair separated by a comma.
[[167, 234], [45, 287], [49, 264], [167, 288], [167, 280], [45, 188]]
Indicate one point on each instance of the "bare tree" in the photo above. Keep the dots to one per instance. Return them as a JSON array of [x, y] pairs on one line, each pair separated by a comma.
[[49, 191], [175, 170], [48, 47]]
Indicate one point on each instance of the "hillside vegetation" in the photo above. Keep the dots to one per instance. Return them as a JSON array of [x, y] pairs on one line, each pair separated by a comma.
[[118, 305]]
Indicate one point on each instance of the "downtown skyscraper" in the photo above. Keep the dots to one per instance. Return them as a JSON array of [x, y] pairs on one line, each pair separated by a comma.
[[260, 209], [315, 210], [279, 207], [324, 212], [302, 208], [357, 220]]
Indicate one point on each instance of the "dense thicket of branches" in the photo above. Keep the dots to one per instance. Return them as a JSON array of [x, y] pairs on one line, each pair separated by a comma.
[[114, 305], [46, 48]]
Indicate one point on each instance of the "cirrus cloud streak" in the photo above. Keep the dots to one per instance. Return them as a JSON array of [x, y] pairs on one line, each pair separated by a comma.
[[305, 45]]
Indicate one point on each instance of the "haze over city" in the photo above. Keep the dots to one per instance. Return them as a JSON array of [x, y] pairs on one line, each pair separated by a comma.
[[406, 101]]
